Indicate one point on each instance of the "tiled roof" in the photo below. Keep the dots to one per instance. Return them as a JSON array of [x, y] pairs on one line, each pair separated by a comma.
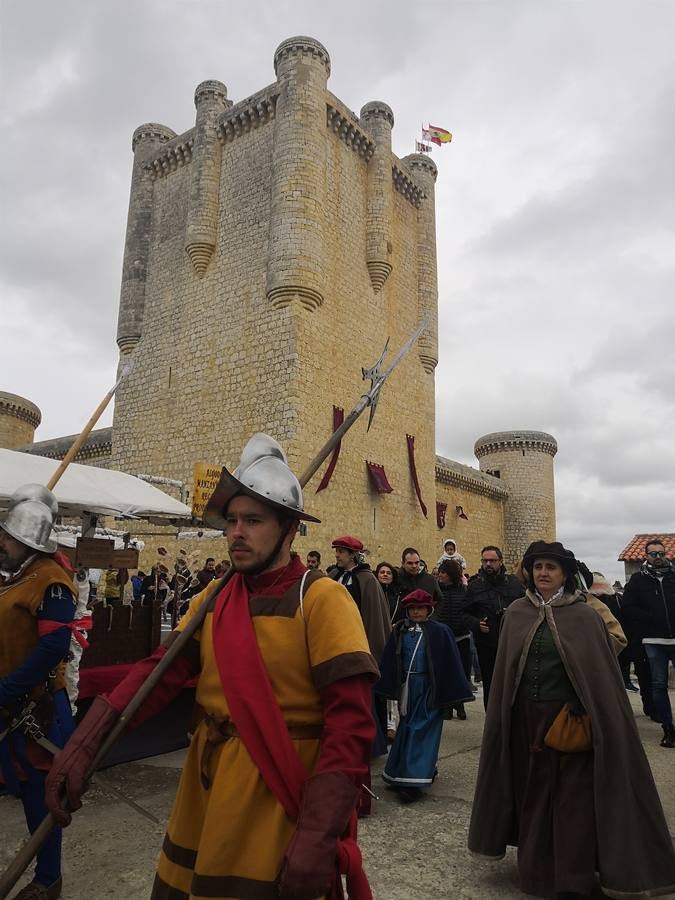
[[635, 550]]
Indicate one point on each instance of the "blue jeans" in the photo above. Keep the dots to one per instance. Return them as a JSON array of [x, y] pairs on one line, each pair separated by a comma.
[[658, 656]]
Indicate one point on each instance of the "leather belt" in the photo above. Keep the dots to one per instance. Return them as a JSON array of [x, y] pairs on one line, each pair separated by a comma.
[[220, 730]]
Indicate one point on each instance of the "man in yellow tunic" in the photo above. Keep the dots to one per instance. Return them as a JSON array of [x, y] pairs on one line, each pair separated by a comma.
[[265, 806]]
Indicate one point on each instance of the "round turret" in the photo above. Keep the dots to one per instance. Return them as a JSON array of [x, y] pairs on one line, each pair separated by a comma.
[[377, 109], [18, 420], [421, 165], [211, 90], [524, 462], [300, 45], [151, 133]]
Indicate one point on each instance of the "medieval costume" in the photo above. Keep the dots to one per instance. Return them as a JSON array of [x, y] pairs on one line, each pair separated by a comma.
[[421, 668], [268, 794], [368, 595], [568, 810], [37, 605]]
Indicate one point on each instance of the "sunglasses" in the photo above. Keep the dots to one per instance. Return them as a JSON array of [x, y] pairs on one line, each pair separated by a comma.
[[657, 553]]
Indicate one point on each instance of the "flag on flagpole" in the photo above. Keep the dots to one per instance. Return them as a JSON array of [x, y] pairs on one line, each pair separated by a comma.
[[436, 135], [422, 148]]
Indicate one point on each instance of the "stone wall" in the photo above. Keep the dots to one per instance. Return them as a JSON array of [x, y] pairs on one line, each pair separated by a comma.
[[480, 498], [95, 451]]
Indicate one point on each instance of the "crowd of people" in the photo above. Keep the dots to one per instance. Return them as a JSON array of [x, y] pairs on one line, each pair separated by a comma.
[[303, 679]]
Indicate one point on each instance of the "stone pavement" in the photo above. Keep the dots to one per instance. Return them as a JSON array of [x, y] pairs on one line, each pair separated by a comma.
[[416, 851]]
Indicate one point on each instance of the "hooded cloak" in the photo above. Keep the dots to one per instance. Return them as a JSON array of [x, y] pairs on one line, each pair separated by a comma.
[[635, 850]]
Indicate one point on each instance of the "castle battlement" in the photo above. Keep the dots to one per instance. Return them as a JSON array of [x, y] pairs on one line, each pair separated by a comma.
[[348, 127], [515, 440], [246, 115]]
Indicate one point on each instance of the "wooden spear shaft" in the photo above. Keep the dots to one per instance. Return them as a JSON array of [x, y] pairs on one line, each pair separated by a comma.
[[84, 434], [23, 858]]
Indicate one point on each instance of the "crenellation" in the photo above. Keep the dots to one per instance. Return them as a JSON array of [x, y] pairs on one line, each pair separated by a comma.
[[256, 110], [150, 134], [301, 47], [344, 123], [18, 420], [173, 158], [405, 185]]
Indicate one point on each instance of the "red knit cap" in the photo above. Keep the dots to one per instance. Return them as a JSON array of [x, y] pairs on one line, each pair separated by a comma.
[[348, 543], [418, 598]]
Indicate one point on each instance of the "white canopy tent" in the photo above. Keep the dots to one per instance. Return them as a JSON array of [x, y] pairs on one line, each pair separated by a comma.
[[86, 489]]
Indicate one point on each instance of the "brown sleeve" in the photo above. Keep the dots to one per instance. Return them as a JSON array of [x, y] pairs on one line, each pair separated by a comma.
[[346, 665]]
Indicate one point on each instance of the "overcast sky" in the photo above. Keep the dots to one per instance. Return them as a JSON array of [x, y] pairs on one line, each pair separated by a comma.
[[555, 208]]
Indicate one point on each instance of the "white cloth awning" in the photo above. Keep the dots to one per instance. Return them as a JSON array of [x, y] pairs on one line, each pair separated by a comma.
[[86, 489]]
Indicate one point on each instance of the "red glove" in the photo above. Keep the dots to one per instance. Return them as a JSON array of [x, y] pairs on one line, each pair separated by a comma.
[[309, 866], [72, 765]]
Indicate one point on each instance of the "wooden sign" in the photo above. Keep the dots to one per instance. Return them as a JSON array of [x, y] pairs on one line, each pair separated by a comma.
[[126, 558], [95, 553], [204, 481]]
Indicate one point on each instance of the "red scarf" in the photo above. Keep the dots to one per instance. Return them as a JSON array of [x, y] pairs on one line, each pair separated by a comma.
[[255, 711]]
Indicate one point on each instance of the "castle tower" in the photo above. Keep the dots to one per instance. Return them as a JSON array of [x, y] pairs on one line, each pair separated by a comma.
[[145, 143], [523, 460], [18, 420], [425, 172], [379, 120], [295, 258], [202, 215], [308, 244]]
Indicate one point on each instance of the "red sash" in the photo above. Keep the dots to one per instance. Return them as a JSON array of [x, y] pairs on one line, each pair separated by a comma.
[[256, 714], [46, 626]]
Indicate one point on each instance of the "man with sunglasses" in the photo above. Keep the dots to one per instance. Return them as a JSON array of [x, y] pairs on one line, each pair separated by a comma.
[[649, 607]]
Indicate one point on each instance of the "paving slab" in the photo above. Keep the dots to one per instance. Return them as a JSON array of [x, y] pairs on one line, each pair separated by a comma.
[[415, 851]]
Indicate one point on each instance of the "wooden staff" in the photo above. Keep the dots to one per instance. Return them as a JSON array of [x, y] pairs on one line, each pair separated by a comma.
[[23, 858], [84, 434]]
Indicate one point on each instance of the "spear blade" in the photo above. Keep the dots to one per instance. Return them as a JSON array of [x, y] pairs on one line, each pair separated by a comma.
[[371, 396]]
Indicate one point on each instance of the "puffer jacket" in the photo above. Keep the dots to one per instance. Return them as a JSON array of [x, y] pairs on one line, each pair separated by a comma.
[[451, 611]]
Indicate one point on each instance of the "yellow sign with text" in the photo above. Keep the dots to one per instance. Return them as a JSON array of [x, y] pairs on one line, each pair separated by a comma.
[[204, 480]]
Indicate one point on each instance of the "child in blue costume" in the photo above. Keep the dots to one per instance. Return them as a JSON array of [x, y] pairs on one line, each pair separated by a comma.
[[422, 669]]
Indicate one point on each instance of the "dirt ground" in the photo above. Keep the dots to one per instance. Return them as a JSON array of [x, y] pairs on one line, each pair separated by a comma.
[[416, 851]]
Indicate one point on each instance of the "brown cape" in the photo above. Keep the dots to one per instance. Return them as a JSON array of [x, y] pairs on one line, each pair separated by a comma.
[[635, 850], [374, 611]]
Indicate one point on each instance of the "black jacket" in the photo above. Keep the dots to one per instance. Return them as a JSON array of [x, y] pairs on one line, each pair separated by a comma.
[[451, 611], [488, 596], [407, 583], [649, 605], [393, 594]]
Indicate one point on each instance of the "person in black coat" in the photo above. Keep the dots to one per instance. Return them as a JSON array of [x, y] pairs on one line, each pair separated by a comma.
[[649, 613], [451, 611], [387, 575], [412, 577], [489, 593]]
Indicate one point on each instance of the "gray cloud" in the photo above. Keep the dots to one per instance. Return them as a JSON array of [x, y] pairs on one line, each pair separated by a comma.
[[554, 208]]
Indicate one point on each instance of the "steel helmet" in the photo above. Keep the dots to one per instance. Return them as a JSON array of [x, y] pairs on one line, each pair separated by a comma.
[[30, 522], [263, 473], [35, 492]]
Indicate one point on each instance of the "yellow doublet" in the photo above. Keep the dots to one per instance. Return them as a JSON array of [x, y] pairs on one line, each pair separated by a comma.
[[228, 841]]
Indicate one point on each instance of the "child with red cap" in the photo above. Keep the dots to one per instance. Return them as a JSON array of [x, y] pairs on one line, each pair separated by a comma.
[[422, 669]]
